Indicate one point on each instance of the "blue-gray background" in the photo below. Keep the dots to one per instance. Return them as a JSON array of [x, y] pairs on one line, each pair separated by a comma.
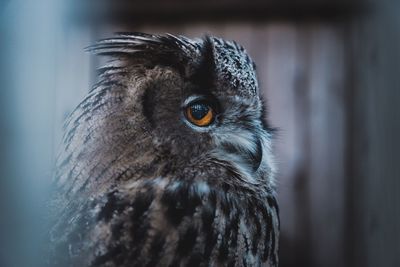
[[329, 70]]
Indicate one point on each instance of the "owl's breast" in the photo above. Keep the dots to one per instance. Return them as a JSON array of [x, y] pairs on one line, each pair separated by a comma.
[[170, 222]]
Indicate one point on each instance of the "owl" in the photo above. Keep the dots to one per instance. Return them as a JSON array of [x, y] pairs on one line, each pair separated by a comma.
[[167, 161]]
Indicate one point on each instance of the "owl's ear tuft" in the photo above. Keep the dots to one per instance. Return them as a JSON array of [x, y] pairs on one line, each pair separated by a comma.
[[203, 74], [168, 49]]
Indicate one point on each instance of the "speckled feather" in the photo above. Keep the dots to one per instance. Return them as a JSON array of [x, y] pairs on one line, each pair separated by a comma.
[[137, 186]]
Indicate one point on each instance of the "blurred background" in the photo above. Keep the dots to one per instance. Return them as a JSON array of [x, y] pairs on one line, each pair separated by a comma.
[[329, 70]]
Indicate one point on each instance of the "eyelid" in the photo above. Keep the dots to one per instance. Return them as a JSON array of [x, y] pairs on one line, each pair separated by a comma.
[[209, 100], [193, 99]]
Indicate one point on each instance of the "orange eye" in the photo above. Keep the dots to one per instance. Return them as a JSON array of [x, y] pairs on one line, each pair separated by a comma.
[[200, 114]]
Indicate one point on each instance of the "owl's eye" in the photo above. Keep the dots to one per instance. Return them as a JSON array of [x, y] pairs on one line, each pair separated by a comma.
[[200, 114]]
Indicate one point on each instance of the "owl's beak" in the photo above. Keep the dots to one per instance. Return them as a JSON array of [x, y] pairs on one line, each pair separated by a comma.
[[257, 156]]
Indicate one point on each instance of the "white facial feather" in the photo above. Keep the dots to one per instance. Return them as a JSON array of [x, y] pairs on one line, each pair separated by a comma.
[[245, 141]]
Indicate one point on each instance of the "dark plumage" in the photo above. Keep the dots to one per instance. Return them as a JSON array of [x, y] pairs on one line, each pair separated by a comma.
[[140, 184]]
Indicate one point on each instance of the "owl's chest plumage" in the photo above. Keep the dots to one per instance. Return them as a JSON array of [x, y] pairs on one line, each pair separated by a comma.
[[170, 222]]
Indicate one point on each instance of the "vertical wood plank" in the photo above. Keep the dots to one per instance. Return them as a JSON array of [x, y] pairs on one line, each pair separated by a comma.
[[375, 142], [327, 135], [282, 75]]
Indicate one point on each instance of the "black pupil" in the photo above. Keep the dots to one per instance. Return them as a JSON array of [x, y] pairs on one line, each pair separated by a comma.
[[199, 111]]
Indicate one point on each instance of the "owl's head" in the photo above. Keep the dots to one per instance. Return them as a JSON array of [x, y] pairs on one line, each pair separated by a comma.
[[195, 102]]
